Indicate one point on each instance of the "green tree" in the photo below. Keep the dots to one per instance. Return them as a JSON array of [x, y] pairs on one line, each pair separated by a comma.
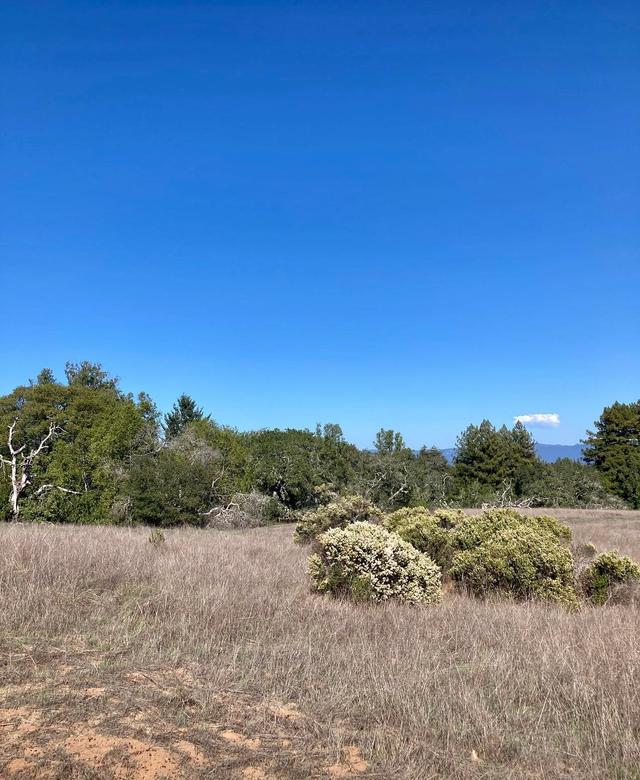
[[46, 377], [230, 453], [331, 432], [293, 465], [489, 460], [569, 483], [87, 374], [432, 477], [287, 464], [614, 449], [80, 476], [180, 482], [389, 442], [390, 477], [479, 456], [519, 466], [183, 412]]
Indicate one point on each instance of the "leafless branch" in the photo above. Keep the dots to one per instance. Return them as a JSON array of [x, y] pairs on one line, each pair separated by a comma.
[[21, 464]]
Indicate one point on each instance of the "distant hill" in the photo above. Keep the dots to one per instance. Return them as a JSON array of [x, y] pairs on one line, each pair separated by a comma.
[[552, 452], [549, 453]]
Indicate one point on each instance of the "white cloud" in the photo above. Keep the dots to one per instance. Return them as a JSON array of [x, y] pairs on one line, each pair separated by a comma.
[[551, 420]]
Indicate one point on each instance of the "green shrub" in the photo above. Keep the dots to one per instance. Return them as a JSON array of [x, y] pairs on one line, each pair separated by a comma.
[[369, 563], [583, 554], [561, 531], [325, 493], [473, 530], [586, 550], [603, 578], [274, 511], [448, 518], [525, 561], [425, 531], [336, 514]]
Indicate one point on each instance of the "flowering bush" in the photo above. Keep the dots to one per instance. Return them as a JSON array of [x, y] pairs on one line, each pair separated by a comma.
[[336, 514], [607, 575], [369, 563], [425, 531]]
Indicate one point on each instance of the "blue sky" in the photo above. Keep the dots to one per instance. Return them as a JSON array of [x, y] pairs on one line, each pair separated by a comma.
[[401, 214]]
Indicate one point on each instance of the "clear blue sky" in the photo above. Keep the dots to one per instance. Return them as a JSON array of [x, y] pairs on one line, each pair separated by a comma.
[[401, 214]]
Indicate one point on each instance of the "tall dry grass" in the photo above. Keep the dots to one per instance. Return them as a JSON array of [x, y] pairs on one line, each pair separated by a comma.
[[534, 691]]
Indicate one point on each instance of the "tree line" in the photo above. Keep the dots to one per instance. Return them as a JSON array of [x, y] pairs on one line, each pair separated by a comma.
[[84, 451]]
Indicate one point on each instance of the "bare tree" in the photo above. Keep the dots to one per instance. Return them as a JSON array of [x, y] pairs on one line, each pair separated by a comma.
[[20, 463], [395, 477], [507, 500]]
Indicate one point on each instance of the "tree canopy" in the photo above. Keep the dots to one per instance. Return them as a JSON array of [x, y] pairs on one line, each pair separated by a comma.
[[84, 451]]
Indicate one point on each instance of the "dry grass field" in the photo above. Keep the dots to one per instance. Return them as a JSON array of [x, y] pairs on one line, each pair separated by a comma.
[[208, 657]]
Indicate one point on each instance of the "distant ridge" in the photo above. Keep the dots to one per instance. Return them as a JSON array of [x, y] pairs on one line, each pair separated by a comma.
[[549, 453], [552, 452]]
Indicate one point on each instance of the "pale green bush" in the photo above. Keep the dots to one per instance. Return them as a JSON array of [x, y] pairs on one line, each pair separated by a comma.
[[369, 563], [523, 561], [427, 532], [586, 550], [448, 518], [609, 577], [473, 530], [336, 514]]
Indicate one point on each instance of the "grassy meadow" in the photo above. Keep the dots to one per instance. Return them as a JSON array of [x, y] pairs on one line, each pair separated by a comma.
[[207, 656]]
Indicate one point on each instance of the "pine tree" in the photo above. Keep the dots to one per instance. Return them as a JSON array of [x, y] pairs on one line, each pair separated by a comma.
[[479, 454], [522, 459], [490, 457], [184, 411], [614, 449]]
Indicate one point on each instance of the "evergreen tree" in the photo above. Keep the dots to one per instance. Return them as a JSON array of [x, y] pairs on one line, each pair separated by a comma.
[[388, 442], [522, 461], [479, 455], [492, 459], [183, 412], [614, 449]]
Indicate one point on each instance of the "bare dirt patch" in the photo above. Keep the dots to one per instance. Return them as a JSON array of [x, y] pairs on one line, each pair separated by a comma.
[[255, 773], [240, 739], [288, 711], [141, 760], [147, 725], [351, 764]]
